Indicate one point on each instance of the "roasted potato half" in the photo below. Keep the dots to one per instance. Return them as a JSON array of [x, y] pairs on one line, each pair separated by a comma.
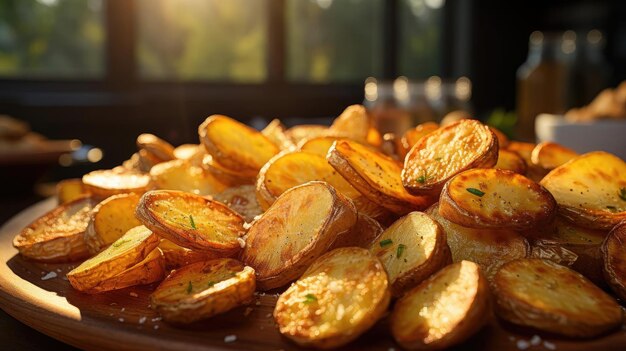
[[203, 289], [590, 190], [105, 183], [503, 140], [340, 296], [69, 190], [494, 198], [111, 219], [306, 131], [301, 225], [275, 132], [318, 145], [127, 251], [192, 221], [411, 249], [57, 236], [235, 145], [353, 123], [444, 310], [150, 270], [549, 155], [525, 150], [181, 175], [242, 199], [413, 135], [511, 161], [442, 154], [226, 176], [157, 147], [364, 232], [375, 175], [489, 248], [614, 260], [177, 256], [543, 295]]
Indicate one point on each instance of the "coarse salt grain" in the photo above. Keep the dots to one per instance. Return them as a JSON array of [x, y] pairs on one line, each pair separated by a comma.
[[258, 302], [142, 320], [535, 340], [64, 278], [121, 320], [156, 319], [123, 309], [230, 338], [156, 327], [247, 311], [268, 315], [548, 345], [59, 270], [522, 344], [133, 294], [50, 275], [241, 242]]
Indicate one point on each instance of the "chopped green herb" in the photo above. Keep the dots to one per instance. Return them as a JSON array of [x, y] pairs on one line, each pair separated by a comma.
[[189, 288], [423, 178], [309, 298], [386, 242], [612, 208], [622, 194], [193, 224], [210, 284], [120, 242], [401, 248], [475, 191]]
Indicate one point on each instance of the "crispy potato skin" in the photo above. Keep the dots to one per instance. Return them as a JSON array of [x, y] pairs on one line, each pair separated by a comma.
[[176, 256], [225, 175], [111, 219], [509, 160], [524, 150], [215, 227], [412, 136], [549, 155], [157, 147], [105, 183], [353, 123], [588, 190], [182, 175], [301, 225], [444, 310], [546, 296], [203, 289], [242, 199], [235, 145], [503, 140], [341, 295], [275, 132], [614, 260], [69, 190], [375, 175], [509, 200], [363, 234], [424, 251], [318, 145], [57, 236], [447, 151]]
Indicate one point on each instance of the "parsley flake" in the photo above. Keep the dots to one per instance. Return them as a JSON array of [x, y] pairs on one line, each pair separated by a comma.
[[401, 248], [475, 191], [193, 224], [612, 208], [386, 242], [189, 288], [622, 194], [309, 298]]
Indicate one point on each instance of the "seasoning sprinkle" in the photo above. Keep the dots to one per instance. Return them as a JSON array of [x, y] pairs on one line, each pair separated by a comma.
[[189, 288], [309, 298], [622, 194], [210, 283], [386, 242], [475, 191], [612, 208], [193, 224], [401, 248]]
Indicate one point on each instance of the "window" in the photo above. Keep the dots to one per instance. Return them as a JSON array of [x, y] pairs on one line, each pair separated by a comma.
[[51, 38]]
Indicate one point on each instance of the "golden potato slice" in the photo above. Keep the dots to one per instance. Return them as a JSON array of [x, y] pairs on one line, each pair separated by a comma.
[[544, 295], [509, 160], [525, 150], [203, 289], [442, 154], [57, 236], [353, 123], [226, 176], [614, 260], [318, 145], [287, 170], [301, 225], [590, 190], [181, 175], [275, 132], [375, 175], [150, 270], [177, 256], [374, 138], [412, 136], [489, 248], [549, 155], [444, 310], [242, 199], [235, 145], [493, 198], [111, 219], [186, 151], [503, 140], [157, 147], [127, 251], [364, 232], [374, 210], [340, 296], [69, 190], [306, 131], [192, 221], [411, 249], [105, 183]]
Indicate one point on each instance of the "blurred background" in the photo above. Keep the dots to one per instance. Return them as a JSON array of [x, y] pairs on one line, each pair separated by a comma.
[[96, 73]]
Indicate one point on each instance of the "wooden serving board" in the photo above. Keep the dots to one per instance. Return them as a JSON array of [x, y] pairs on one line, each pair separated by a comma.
[[122, 320]]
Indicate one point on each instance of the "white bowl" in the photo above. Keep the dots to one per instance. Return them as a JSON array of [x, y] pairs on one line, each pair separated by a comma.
[[601, 135]]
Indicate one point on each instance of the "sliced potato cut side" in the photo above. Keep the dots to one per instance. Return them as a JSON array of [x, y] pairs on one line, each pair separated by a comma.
[[412, 136], [57, 236], [614, 260], [275, 132], [203, 289], [353, 123], [105, 183], [157, 147], [177, 256], [444, 310], [300, 226], [525, 150], [376, 176], [446, 152], [411, 249], [590, 190], [69, 190], [111, 219], [544, 295], [242, 199], [340, 296], [181, 175], [306, 131], [509, 160], [226, 176], [235, 145], [319, 145], [494, 198], [124, 253], [549, 155], [192, 221]]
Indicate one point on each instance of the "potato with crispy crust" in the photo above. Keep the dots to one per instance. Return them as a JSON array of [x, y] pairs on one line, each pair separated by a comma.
[[105, 183], [181, 175], [494, 198], [301, 225], [590, 190], [614, 260], [375, 175], [364, 232], [444, 310], [306, 131], [549, 155], [509, 160], [192, 221], [411, 249], [503, 140], [412, 136], [235, 145], [544, 295], [157, 147], [442, 154], [123, 254], [176, 256], [275, 132], [525, 150], [353, 123], [340, 296], [57, 236], [489, 248], [242, 199], [69, 190], [318, 145], [226, 176], [111, 219], [203, 289]]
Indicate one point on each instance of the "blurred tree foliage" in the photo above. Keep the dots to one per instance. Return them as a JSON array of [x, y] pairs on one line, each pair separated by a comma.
[[420, 38]]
